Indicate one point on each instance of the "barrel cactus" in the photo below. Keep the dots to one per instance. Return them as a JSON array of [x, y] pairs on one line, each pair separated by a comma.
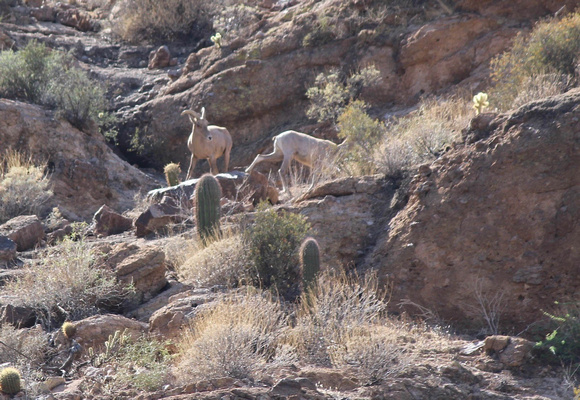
[[10, 382], [207, 207], [309, 261], [172, 172], [69, 329]]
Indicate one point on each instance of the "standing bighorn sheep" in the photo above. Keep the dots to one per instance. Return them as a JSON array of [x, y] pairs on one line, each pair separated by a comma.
[[292, 145], [207, 141]]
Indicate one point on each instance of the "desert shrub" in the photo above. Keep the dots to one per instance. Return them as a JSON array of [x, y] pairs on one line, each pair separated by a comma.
[[43, 76], [22, 347], [330, 312], [424, 134], [363, 135], [156, 21], [551, 48], [333, 91], [374, 353], [234, 337], [221, 262], [142, 364], [24, 187], [323, 32], [563, 340], [68, 281], [273, 243]]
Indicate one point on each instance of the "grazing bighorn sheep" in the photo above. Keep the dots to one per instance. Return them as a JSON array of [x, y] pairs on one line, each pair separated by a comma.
[[292, 145], [207, 141]]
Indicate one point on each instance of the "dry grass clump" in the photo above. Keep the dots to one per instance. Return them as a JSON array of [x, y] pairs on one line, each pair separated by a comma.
[[24, 187], [235, 337], [221, 262], [22, 347], [67, 280], [331, 311], [422, 135]]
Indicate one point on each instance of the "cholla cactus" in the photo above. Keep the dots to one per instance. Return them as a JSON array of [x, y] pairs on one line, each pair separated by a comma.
[[480, 102], [217, 39]]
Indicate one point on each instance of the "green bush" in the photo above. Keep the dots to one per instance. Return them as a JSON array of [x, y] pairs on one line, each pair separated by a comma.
[[273, 241], [363, 134], [563, 341], [334, 91], [551, 48], [40, 75]]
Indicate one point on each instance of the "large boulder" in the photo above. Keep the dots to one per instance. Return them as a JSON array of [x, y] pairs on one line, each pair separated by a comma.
[[85, 172], [158, 217], [491, 227], [26, 231], [95, 331], [108, 222]]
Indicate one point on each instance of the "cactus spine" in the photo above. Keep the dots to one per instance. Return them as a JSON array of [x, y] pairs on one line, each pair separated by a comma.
[[69, 329], [10, 381], [172, 172], [207, 207], [309, 261]]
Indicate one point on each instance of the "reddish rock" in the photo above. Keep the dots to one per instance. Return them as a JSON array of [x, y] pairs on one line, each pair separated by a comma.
[[95, 331], [77, 19], [6, 41], [44, 13], [108, 222], [495, 222], [159, 216], [26, 231], [160, 58]]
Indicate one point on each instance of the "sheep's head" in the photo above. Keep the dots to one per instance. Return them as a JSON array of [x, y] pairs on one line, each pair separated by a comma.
[[199, 121]]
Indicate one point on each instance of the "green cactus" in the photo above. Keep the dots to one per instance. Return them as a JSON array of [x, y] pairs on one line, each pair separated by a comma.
[[172, 172], [69, 329], [309, 261], [207, 207], [10, 382]]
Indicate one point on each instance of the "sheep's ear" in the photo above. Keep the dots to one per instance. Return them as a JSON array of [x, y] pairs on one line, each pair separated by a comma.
[[193, 116], [202, 113]]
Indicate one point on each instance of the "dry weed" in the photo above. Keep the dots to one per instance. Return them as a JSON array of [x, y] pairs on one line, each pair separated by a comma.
[[422, 135], [234, 337], [221, 262], [24, 187], [541, 86]]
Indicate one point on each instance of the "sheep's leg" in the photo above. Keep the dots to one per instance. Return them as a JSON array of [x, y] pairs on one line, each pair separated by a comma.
[[192, 163], [283, 172], [275, 156], [227, 158], [213, 166]]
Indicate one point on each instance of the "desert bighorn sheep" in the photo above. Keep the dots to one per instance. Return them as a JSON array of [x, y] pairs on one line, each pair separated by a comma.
[[292, 145], [207, 141]]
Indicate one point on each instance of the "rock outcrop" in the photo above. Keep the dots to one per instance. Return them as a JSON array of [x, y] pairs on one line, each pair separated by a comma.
[[493, 224], [85, 172]]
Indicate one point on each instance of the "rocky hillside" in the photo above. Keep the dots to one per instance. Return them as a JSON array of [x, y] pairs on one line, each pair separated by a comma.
[[479, 242]]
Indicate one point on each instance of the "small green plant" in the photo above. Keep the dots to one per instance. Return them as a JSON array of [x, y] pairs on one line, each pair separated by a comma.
[[113, 345], [333, 92], [309, 261], [207, 197], [10, 382], [563, 341], [217, 40], [480, 102], [364, 135], [322, 33], [273, 243], [551, 48], [69, 329], [172, 172]]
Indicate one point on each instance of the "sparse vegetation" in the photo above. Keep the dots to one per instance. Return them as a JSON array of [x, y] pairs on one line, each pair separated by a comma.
[[333, 91], [550, 49], [562, 342], [24, 187], [66, 281], [40, 75], [423, 134], [273, 243], [234, 337]]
